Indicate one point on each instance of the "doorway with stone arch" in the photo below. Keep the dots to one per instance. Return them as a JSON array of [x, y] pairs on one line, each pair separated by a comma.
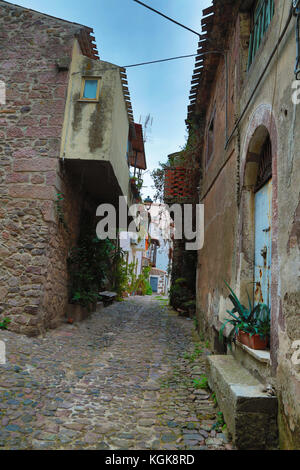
[[258, 223], [257, 215]]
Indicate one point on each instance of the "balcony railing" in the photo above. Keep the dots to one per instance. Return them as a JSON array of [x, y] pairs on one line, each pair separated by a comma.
[[263, 15]]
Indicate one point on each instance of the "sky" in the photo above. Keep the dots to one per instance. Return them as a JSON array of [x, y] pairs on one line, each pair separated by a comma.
[[128, 33]]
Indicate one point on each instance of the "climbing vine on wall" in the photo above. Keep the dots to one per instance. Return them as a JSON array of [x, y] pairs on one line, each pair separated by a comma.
[[59, 205], [92, 264]]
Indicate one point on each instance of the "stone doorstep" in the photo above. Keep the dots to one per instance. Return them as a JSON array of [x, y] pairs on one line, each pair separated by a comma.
[[260, 356], [255, 361], [250, 414]]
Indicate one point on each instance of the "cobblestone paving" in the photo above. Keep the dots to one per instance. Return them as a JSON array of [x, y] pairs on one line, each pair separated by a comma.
[[123, 379]]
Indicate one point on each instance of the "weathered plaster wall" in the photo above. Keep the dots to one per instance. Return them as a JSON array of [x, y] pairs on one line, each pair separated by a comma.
[[271, 109], [33, 244], [282, 120], [216, 261], [97, 131]]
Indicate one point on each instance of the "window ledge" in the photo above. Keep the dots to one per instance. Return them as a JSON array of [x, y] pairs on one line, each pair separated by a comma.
[[88, 101], [260, 356]]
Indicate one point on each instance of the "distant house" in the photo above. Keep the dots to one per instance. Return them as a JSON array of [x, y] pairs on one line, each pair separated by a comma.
[[158, 253]]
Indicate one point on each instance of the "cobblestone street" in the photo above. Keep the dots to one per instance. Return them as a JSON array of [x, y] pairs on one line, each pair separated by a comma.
[[123, 379]]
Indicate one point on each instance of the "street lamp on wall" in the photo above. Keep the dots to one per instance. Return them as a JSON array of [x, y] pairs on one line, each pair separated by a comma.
[[148, 202]]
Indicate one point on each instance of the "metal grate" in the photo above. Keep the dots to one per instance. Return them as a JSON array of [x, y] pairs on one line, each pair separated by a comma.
[[265, 165]]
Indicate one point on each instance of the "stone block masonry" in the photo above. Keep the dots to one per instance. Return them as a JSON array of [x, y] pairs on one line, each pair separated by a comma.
[[33, 244], [250, 414]]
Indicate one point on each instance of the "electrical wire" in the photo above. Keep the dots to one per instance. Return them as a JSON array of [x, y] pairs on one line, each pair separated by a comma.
[[168, 18], [160, 60]]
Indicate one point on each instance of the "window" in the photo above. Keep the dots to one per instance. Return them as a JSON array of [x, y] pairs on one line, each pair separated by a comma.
[[210, 138], [262, 15], [90, 89]]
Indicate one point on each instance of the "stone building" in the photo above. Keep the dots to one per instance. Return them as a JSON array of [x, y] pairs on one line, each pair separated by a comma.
[[64, 132], [244, 110]]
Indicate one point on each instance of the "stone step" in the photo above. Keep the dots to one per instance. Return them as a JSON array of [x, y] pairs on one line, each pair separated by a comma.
[[250, 414], [256, 362]]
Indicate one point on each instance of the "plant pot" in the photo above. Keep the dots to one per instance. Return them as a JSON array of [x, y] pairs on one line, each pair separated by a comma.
[[244, 338], [255, 342]]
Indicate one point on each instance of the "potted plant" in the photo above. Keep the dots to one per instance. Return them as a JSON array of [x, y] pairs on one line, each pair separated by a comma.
[[251, 326]]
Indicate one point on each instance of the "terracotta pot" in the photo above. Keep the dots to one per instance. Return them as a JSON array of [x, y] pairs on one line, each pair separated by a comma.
[[244, 338], [253, 342], [257, 343]]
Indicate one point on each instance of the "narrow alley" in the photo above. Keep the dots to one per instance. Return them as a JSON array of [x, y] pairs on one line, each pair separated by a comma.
[[125, 378]]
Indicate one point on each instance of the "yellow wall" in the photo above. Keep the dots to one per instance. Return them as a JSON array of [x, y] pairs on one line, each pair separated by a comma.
[[97, 131]]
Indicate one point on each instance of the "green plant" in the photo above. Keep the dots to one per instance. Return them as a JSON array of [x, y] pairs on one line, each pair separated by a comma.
[[214, 398], [201, 335], [193, 356], [136, 186], [181, 296], [60, 211], [93, 263], [252, 320], [201, 383], [139, 284], [220, 423], [148, 288], [4, 323], [119, 280]]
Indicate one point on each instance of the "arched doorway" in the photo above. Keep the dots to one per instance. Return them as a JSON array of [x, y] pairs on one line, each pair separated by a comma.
[[258, 198], [257, 217]]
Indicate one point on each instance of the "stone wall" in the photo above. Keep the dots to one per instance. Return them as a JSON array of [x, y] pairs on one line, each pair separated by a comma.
[[33, 244]]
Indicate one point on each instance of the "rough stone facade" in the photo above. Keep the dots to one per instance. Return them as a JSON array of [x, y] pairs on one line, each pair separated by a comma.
[[259, 100], [33, 242]]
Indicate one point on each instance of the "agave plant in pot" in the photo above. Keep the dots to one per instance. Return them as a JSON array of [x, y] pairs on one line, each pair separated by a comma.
[[251, 325]]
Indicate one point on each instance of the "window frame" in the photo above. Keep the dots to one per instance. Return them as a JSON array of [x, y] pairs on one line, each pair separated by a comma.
[[83, 82], [262, 14], [210, 153]]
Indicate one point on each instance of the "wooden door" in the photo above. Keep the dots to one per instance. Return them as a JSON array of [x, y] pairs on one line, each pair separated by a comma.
[[263, 246]]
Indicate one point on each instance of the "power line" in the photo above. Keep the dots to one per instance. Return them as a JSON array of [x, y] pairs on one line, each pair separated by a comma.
[[168, 18], [157, 61]]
